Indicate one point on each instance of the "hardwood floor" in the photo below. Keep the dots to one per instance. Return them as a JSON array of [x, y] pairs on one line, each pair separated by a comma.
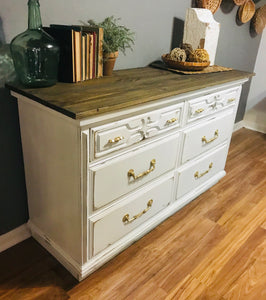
[[214, 248]]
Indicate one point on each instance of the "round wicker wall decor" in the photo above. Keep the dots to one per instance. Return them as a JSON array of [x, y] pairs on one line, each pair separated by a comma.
[[212, 5], [246, 11], [239, 2], [258, 21]]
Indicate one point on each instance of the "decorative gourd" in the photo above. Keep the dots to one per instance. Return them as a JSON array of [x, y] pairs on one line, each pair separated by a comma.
[[187, 47], [178, 54], [199, 55]]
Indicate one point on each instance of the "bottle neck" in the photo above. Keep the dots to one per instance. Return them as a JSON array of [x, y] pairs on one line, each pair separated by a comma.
[[34, 15]]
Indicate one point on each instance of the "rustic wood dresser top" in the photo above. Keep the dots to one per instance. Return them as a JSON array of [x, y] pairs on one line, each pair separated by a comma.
[[122, 90]]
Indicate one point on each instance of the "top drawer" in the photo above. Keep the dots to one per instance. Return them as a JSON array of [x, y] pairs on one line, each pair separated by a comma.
[[117, 135], [212, 103]]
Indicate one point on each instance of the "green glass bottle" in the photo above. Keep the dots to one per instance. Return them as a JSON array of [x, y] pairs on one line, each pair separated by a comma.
[[34, 52]]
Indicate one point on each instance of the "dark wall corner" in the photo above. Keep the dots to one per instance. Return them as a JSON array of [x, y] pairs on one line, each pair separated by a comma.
[[13, 199]]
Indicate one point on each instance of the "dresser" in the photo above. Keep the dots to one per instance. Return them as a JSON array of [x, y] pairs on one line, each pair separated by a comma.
[[108, 160]]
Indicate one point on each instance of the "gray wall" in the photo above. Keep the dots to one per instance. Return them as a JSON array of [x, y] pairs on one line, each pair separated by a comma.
[[257, 91], [153, 22]]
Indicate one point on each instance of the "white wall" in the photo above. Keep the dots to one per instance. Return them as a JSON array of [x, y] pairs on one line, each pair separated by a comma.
[[257, 91]]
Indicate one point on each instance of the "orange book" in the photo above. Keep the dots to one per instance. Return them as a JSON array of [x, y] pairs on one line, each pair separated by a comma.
[[78, 53]]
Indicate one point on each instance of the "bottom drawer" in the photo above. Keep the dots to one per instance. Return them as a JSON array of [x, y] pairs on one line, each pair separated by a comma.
[[126, 216], [194, 174]]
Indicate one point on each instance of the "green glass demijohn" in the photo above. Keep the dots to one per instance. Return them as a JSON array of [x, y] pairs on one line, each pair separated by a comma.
[[34, 52]]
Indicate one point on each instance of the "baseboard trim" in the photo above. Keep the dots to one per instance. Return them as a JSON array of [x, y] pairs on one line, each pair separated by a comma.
[[238, 125], [14, 237], [255, 126]]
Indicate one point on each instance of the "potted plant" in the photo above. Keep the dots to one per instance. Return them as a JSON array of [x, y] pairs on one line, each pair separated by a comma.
[[116, 38]]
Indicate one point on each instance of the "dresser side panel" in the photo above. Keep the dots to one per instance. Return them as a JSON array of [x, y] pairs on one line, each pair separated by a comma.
[[51, 151]]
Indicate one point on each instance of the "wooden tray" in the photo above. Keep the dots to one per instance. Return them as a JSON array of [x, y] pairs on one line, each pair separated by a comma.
[[184, 65]]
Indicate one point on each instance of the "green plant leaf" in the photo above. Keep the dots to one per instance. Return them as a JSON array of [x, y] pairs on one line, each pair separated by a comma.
[[116, 37]]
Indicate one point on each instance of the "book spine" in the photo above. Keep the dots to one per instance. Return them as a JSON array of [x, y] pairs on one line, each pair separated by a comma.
[[94, 56], [83, 56], [91, 56], [73, 57], [100, 53], [78, 53]]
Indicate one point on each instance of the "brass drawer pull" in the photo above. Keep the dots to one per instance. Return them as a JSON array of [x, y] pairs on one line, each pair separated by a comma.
[[197, 175], [131, 172], [200, 110], [216, 134], [231, 100], [173, 120], [116, 140], [127, 220]]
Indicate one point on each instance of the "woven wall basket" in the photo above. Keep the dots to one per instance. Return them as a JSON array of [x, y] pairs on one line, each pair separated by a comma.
[[212, 5], [258, 22], [239, 2], [246, 11]]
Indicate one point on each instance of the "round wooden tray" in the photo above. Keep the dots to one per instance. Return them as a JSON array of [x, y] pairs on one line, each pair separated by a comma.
[[246, 11], [184, 65], [212, 5]]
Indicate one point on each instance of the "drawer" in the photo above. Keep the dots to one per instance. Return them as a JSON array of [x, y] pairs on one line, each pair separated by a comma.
[[129, 215], [195, 174], [127, 172], [203, 137], [117, 135], [211, 103]]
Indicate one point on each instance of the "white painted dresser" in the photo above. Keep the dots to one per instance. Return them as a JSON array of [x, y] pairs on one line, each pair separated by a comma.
[[100, 174]]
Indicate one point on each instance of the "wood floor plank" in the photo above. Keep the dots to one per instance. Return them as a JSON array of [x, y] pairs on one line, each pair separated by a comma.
[[212, 264], [13, 262], [149, 291], [176, 272], [240, 262], [192, 289], [251, 285], [241, 208]]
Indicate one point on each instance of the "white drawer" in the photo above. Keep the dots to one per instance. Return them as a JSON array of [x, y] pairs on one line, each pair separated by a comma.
[[125, 217], [194, 174], [125, 173], [211, 103], [201, 138], [117, 135]]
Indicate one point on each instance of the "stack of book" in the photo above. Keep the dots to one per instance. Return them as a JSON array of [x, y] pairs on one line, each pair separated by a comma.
[[81, 52]]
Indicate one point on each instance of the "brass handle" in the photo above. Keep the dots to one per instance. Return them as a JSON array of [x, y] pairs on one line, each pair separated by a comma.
[[132, 173], [115, 140], [204, 139], [197, 175], [231, 100], [127, 220], [200, 110], [173, 120]]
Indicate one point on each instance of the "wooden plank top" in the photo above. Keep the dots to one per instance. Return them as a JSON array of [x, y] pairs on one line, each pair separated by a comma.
[[122, 90]]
